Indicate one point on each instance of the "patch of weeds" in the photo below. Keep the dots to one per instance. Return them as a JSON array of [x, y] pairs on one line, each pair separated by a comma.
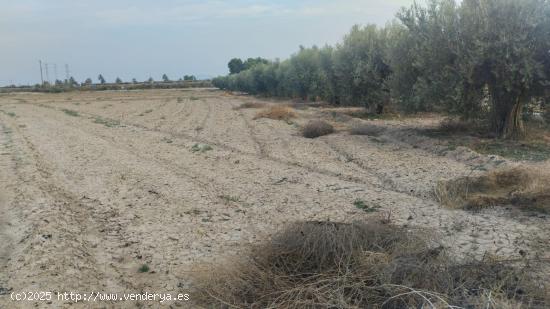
[[180, 100], [249, 105], [451, 147], [364, 114], [11, 114], [201, 148], [378, 140], [167, 140], [144, 268], [194, 211], [194, 98], [76, 103], [229, 198], [148, 111], [360, 204], [366, 129], [107, 122], [70, 112], [521, 151]]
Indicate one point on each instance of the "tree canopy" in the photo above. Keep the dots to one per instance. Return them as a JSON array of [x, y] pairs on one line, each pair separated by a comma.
[[101, 79], [236, 65], [479, 59]]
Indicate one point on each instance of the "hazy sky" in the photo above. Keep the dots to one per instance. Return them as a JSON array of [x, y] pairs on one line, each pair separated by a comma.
[[138, 38]]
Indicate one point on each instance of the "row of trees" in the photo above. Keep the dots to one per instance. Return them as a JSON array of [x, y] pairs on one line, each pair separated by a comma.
[[477, 59], [118, 80]]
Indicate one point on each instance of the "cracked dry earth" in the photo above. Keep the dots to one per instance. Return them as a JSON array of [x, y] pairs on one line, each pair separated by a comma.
[[95, 184]]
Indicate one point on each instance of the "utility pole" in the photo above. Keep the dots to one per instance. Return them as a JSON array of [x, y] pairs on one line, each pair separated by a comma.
[[47, 73], [41, 75], [67, 73]]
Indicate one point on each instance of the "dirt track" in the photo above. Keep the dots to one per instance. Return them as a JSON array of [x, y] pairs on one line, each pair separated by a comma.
[[87, 198]]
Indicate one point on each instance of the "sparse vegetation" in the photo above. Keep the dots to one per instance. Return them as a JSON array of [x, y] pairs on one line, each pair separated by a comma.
[[107, 122], [144, 268], [317, 128], [535, 146], [361, 265], [364, 206], [249, 105], [11, 114], [201, 148], [454, 126], [366, 129], [70, 112], [524, 187], [277, 112], [229, 198]]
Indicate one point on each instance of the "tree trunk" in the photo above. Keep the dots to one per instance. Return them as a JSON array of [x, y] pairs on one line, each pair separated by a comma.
[[513, 126], [379, 109], [507, 110]]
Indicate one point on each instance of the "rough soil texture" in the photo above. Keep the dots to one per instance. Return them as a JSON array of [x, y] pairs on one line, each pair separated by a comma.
[[87, 198]]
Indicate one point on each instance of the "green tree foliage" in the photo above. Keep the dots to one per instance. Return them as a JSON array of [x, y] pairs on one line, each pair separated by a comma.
[[483, 59], [456, 52], [361, 68], [189, 78], [101, 79], [235, 66], [118, 80], [252, 62], [165, 78], [88, 81]]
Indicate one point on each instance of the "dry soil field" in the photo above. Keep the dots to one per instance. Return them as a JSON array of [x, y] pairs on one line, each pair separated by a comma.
[[94, 185]]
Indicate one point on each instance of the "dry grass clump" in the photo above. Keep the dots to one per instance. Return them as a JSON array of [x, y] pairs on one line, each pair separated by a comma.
[[249, 105], [277, 112], [456, 127], [521, 186], [366, 129], [358, 265], [452, 125], [316, 128]]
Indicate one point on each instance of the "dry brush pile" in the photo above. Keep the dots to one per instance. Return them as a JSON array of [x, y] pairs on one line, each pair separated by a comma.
[[277, 112], [526, 187], [317, 128], [361, 265]]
